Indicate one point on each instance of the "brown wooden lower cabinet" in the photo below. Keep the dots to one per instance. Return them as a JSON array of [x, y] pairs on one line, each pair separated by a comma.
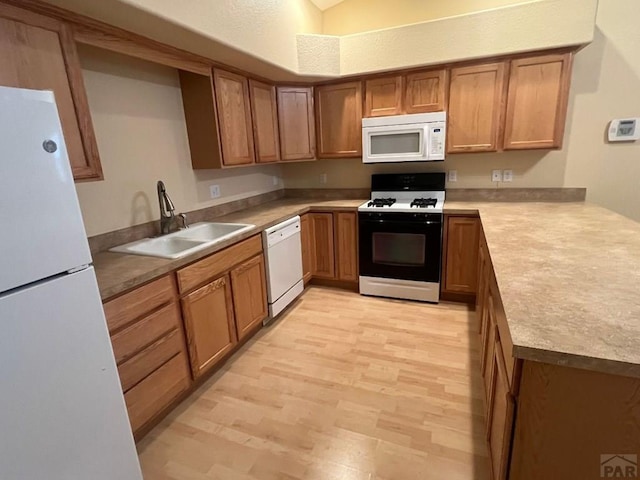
[[322, 246], [248, 283], [545, 420], [346, 245], [460, 254], [149, 348], [332, 251], [209, 324], [305, 238]]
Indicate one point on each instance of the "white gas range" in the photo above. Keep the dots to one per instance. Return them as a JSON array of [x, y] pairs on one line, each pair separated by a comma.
[[400, 236]]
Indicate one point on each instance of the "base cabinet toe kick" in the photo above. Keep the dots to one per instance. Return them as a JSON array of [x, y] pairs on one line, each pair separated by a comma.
[[545, 420]]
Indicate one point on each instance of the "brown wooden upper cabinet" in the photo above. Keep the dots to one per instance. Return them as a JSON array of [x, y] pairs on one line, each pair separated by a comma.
[[425, 91], [296, 123], [234, 118], [418, 92], [383, 96], [39, 53], [264, 113], [537, 102], [339, 120], [475, 108]]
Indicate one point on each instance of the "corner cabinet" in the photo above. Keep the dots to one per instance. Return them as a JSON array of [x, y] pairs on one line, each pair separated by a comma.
[[39, 53], [339, 120], [296, 123], [537, 102], [475, 108]]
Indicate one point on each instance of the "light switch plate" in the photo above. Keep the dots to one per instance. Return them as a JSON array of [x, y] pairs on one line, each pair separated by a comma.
[[453, 175], [496, 175], [323, 178], [275, 180], [214, 191], [507, 176]]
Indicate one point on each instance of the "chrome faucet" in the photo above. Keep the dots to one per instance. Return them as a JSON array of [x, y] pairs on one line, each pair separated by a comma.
[[167, 210]]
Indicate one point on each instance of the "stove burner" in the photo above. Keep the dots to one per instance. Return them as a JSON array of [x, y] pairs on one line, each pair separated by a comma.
[[424, 202], [381, 202]]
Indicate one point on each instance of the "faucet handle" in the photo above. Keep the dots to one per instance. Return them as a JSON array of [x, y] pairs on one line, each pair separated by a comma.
[[183, 217]]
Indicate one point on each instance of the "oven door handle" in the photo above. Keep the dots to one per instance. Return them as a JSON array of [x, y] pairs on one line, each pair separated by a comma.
[[388, 222]]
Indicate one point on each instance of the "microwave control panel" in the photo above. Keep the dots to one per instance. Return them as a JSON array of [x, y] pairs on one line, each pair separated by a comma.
[[436, 134], [624, 130]]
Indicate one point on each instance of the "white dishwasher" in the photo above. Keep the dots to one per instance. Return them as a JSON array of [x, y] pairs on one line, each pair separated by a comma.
[[283, 249]]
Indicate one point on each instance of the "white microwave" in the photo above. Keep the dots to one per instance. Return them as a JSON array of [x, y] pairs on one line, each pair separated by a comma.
[[404, 138]]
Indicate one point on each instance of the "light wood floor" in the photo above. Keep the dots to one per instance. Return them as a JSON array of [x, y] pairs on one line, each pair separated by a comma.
[[341, 387]]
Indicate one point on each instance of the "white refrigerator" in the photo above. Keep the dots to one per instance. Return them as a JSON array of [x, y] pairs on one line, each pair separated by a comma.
[[62, 412]]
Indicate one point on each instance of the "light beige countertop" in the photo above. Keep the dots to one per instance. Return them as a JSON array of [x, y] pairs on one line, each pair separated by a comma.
[[569, 279], [568, 275]]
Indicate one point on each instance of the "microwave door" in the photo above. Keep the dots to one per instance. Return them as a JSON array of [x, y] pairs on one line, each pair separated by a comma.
[[403, 143]]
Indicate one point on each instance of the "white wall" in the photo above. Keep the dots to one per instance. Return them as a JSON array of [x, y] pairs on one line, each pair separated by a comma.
[[138, 118]]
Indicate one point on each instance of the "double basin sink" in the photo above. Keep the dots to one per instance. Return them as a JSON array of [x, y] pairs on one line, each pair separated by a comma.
[[184, 242]]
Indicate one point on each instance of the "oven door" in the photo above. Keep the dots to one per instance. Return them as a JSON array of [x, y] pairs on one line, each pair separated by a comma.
[[403, 246]]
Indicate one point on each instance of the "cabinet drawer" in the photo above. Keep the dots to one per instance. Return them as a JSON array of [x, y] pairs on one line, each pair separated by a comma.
[[158, 390], [144, 363], [134, 338], [125, 309], [210, 267]]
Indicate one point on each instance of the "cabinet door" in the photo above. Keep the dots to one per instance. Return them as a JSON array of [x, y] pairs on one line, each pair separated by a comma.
[[537, 102], [296, 123], [488, 344], [347, 245], [39, 53], [305, 237], [425, 91], [461, 254], [265, 121], [475, 108], [501, 413], [209, 324], [234, 118], [249, 287], [322, 254], [383, 96], [339, 120]]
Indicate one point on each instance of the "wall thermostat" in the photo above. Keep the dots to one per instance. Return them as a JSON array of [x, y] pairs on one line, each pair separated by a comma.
[[624, 130]]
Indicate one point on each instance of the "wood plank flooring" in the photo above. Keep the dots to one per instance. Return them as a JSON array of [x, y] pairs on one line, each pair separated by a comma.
[[341, 387]]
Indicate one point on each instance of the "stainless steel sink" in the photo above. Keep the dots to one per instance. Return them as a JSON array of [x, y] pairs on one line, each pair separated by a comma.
[[184, 242]]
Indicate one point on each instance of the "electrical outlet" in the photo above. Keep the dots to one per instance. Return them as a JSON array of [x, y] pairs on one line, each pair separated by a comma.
[[323, 178], [453, 175], [275, 181], [507, 176], [496, 175], [214, 191]]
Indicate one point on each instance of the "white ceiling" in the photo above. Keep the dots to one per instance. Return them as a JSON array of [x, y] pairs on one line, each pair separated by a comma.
[[324, 4]]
